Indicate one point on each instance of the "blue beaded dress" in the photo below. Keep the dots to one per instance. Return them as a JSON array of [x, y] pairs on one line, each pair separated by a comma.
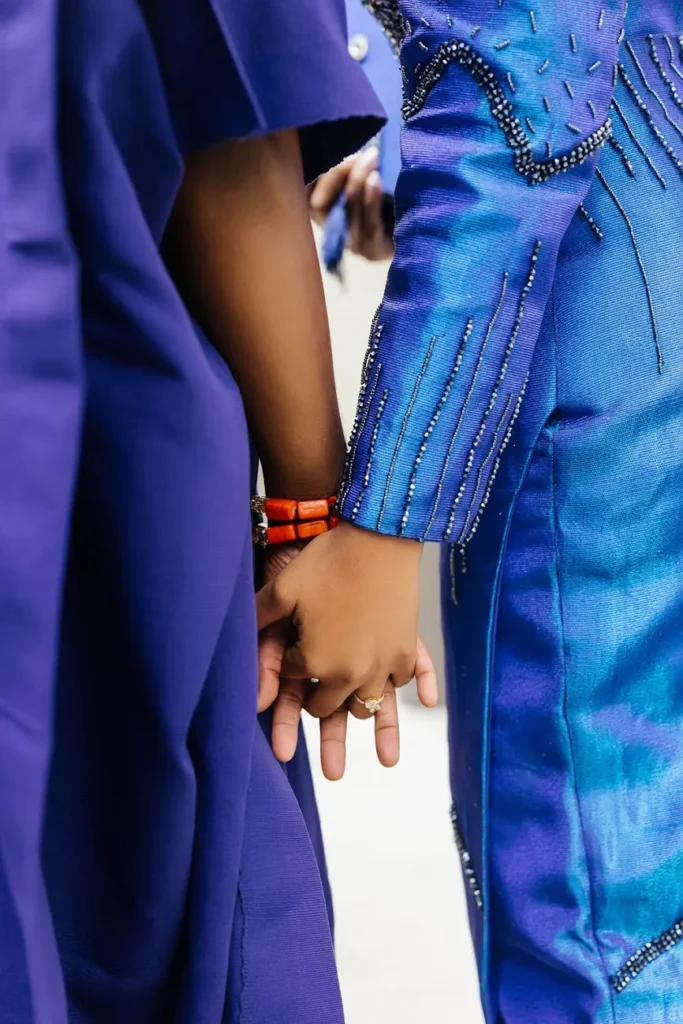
[[522, 403]]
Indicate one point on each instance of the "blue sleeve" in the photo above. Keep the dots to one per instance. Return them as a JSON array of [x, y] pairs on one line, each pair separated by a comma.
[[235, 68], [505, 110]]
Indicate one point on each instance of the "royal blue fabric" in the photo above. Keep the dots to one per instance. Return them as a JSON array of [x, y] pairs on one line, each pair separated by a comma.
[[563, 610], [178, 881], [470, 231], [380, 64]]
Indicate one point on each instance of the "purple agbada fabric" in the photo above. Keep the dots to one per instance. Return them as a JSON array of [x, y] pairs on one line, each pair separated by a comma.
[[178, 881]]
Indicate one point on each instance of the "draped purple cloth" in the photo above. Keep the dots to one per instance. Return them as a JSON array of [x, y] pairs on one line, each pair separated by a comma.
[[176, 881]]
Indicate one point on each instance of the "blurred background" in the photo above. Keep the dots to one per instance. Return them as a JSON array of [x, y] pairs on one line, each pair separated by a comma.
[[402, 939]]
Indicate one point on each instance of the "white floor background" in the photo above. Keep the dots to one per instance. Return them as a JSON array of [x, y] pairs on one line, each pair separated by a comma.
[[402, 940]]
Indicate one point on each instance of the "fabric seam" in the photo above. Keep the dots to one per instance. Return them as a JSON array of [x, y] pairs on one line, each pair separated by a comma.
[[486, 753], [557, 581]]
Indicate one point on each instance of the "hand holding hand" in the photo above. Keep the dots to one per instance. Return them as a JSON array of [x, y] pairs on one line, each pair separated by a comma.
[[351, 597]]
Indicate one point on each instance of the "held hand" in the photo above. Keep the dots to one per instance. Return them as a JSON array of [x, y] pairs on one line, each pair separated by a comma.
[[352, 597], [358, 179], [291, 700]]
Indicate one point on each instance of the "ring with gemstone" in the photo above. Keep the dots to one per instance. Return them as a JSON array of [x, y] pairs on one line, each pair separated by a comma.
[[371, 704]]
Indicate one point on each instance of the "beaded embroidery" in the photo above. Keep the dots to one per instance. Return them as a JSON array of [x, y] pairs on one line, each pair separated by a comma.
[[466, 861], [463, 410], [641, 265], [371, 451], [535, 171], [404, 427], [517, 325], [394, 25], [434, 420], [646, 955]]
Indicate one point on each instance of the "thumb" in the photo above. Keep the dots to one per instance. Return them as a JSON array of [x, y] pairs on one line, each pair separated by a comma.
[[272, 604], [425, 677]]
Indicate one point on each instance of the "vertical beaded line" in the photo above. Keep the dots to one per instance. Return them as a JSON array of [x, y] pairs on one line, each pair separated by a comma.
[[647, 114], [482, 469], [466, 861], [671, 58], [638, 144], [591, 223], [656, 60], [371, 454], [641, 265], [468, 396], [463, 559], [618, 148], [433, 422], [496, 387], [404, 427], [454, 580], [364, 412], [368, 363], [496, 465], [651, 90]]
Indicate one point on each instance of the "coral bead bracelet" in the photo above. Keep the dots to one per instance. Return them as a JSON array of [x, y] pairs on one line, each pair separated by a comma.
[[293, 520]]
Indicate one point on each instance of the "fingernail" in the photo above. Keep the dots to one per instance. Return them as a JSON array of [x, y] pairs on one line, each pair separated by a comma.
[[374, 180]]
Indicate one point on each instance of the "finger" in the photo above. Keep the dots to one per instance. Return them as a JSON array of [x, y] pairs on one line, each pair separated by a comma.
[[272, 604], [354, 221], [387, 739], [286, 717], [327, 190], [271, 648], [325, 699], [371, 692], [294, 665], [333, 744], [425, 677], [372, 204], [363, 164]]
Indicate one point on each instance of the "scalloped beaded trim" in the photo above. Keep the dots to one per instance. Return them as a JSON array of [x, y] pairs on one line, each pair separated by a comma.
[[645, 955], [535, 171]]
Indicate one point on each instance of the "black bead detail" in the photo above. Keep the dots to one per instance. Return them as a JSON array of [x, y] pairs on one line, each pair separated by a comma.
[[646, 955], [392, 22], [535, 171], [466, 861]]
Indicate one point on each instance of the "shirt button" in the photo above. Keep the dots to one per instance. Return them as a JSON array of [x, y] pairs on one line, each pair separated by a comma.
[[358, 47]]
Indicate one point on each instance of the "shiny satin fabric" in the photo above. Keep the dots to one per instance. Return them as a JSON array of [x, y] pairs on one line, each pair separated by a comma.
[[564, 618]]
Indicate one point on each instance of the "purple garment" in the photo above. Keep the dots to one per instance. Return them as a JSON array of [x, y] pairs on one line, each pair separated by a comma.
[[176, 866]]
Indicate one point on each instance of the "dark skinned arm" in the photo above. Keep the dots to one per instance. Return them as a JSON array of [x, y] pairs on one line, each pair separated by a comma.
[[241, 248]]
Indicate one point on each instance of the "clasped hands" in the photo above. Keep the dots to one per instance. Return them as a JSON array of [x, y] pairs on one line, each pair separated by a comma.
[[341, 611]]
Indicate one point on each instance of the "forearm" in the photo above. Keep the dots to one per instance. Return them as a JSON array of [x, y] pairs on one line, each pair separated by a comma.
[[498, 104], [242, 250]]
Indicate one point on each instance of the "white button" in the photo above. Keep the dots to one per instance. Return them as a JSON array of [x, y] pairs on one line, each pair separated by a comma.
[[358, 47]]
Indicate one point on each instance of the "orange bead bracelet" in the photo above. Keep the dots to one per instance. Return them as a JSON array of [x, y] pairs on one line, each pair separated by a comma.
[[294, 520]]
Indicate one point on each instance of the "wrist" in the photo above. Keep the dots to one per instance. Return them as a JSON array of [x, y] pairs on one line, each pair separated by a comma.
[[306, 475], [389, 547]]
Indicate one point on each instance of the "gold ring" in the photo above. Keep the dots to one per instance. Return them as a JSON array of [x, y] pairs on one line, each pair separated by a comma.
[[371, 704]]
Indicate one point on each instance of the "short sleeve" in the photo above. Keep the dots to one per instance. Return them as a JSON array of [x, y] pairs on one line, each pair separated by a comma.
[[233, 69]]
